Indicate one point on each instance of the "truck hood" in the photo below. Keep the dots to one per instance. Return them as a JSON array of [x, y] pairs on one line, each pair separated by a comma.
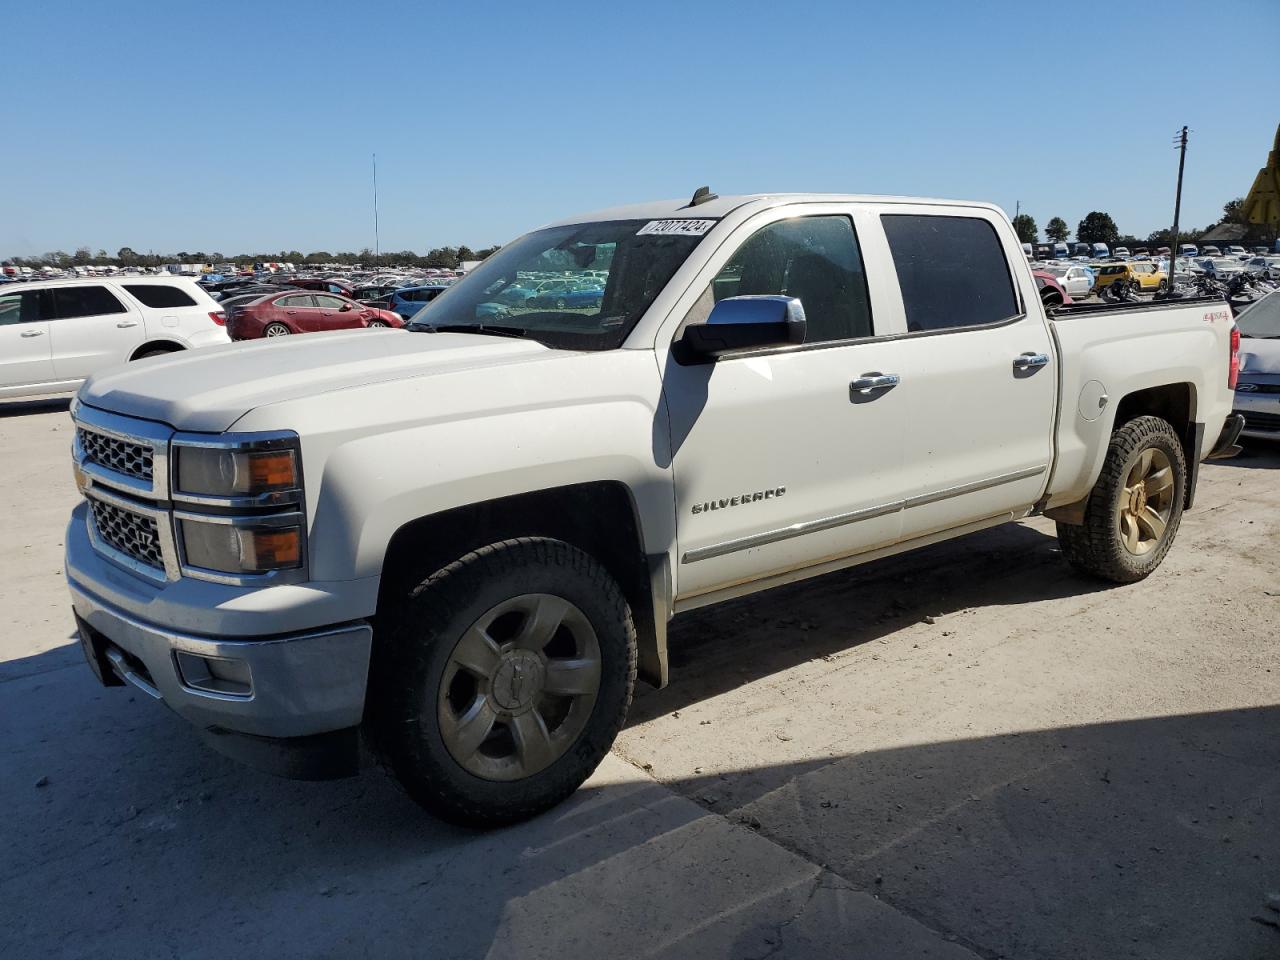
[[209, 389]]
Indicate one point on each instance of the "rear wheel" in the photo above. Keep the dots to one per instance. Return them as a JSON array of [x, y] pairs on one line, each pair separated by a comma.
[[276, 330], [502, 680], [1133, 512]]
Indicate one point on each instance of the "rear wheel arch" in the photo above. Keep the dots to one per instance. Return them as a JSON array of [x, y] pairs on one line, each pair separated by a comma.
[[600, 518], [1174, 403], [154, 348]]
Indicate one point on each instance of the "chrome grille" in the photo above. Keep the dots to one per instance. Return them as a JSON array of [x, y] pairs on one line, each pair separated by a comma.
[[123, 456], [134, 535]]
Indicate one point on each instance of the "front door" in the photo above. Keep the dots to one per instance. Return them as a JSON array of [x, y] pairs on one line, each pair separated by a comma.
[[332, 316], [780, 460], [25, 352], [977, 374]]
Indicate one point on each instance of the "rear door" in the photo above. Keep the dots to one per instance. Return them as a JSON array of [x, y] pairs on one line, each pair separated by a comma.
[[977, 370], [25, 352], [92, 328], [300, 312]]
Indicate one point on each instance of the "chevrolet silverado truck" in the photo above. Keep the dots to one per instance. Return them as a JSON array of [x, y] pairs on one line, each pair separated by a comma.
[[455, 547]]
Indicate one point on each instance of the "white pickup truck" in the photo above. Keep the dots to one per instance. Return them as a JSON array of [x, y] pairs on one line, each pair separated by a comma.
[[461, 543]]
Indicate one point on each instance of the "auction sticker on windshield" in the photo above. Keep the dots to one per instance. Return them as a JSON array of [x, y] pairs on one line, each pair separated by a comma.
[[676, 228]]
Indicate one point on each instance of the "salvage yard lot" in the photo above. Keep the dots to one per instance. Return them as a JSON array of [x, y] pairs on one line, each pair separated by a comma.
[[965, 751]]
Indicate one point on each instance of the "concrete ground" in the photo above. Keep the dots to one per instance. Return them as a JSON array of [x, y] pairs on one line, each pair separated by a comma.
[[967, 751]]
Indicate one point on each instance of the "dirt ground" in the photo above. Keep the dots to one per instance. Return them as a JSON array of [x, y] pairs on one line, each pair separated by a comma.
[[964, 751]]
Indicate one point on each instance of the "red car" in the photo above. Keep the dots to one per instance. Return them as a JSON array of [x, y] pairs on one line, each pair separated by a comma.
[[296, 311], [1052, 293]]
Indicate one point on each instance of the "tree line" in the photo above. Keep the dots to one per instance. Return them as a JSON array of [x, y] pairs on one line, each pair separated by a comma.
[[447, 258], [1099, 227]]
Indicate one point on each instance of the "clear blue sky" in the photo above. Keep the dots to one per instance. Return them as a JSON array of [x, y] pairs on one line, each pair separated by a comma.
[[249, 127]]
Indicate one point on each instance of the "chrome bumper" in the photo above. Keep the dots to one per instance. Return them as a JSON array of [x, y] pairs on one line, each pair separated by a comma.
[[290, 686]]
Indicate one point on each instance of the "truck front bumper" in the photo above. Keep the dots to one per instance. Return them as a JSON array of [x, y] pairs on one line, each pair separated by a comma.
[[289, 704]]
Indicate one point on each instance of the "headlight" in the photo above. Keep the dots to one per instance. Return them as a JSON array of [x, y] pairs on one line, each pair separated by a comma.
[[240, 512], [241, 546], [221, 472]]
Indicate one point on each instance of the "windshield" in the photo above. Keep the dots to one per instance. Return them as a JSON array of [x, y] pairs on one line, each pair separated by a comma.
[[581, 287], [1262, 319]]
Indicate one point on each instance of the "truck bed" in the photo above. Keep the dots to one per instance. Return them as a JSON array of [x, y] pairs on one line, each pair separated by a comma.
[[1075, 310]]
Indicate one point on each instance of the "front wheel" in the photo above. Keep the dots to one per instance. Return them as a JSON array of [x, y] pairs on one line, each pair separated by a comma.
[[378, 324], [1133, 512], [502, 681]]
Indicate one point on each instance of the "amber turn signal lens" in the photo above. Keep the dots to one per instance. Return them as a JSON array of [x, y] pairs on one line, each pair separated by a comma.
[[272, 470], [274, 549]]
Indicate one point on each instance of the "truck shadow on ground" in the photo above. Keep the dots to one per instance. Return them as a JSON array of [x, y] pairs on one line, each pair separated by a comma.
[[1257, 454], [123, 836], [718, 648], [22, 408]]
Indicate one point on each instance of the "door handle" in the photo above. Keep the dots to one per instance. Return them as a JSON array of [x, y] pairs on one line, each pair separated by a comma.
[[1031, 361], [869, 383], [32, 333], [127, 323], [291, 312]]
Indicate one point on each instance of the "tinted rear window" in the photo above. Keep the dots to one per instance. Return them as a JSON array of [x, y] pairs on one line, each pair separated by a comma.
[[951, 270], [89, 301], [159, 295]]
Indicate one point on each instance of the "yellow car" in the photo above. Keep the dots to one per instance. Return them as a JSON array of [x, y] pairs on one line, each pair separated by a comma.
[[1143, 274]]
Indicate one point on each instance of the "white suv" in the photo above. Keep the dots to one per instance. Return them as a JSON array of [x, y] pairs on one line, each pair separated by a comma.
[[55, 333]]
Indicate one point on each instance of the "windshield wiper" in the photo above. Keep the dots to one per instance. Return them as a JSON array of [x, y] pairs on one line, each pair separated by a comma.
[[492, 329]]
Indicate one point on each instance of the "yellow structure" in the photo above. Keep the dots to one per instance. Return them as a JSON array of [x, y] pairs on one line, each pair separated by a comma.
[[1262, 205]]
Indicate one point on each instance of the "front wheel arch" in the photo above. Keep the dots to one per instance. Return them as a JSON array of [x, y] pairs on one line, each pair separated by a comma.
[[598, 517]]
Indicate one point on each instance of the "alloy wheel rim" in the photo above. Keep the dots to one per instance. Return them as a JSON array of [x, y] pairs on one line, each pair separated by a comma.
[[519, 687], [1146, 502], [276, 331]]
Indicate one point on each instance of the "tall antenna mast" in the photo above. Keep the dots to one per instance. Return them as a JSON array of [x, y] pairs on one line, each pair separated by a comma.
[[377, 247]]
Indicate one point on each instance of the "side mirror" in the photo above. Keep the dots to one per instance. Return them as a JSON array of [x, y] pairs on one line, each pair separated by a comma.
[[344, 308], [744, 323]]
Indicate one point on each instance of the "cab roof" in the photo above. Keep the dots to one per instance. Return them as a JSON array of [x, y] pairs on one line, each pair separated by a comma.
[[723, 206]]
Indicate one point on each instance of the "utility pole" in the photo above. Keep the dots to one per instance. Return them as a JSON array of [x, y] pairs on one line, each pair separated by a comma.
[[1180, 143], [377, 248]]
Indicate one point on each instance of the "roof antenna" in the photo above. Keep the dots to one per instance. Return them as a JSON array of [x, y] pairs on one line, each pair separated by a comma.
[[702, 195]]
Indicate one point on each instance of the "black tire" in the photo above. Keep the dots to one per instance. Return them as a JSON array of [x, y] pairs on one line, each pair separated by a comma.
[[378, 324], [1096, 547], [560, 303], [159, 352], [416, 641], [280, 330]]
